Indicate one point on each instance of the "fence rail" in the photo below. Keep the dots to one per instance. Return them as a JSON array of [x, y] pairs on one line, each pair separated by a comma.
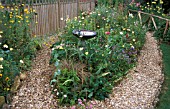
[[51, 15]]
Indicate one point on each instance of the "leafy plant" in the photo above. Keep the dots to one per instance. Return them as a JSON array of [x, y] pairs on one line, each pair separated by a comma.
[[88, 69], [17, 47]]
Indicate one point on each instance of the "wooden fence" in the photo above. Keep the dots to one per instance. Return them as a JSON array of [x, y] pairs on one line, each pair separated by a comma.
[[151, 19], [51, 16]]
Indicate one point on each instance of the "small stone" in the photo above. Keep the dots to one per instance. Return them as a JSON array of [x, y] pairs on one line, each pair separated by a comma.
[[23, 76]]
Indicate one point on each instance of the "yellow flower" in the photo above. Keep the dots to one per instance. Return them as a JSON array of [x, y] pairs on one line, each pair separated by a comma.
[[7, 89], [11, 21], [86, 53], [1, 31], [27, 21], [61, 47], [7, 79], [124, 29], [0, 75], [161, 2], [11, 49], [1, 67], [1, 59], [26, 17], [153, 2]]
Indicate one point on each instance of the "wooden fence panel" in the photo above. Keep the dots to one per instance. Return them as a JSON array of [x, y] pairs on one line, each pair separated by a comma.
[[51, 15]]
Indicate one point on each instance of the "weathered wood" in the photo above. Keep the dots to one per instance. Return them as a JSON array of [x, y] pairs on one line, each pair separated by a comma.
[[140, 18], [166, 27], [154, 23], [149, 14]]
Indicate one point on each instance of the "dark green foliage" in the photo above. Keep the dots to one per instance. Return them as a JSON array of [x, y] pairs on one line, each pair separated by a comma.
[[165, 93]]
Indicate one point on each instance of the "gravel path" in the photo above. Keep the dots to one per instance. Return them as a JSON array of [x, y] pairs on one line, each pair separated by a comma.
[[35, 91], [139, 90]]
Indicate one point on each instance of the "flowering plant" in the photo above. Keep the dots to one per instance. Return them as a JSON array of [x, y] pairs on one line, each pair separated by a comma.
[[16, 45], [88, 68]]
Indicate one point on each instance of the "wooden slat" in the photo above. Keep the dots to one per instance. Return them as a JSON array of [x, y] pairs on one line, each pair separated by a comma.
[[50, 13]]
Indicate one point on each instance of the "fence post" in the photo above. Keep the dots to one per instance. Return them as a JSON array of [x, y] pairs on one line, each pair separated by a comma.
[[166, 27], [78, 8], [59, 14]]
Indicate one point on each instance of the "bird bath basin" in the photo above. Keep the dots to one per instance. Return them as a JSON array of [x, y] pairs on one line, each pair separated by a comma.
[[84, 34]]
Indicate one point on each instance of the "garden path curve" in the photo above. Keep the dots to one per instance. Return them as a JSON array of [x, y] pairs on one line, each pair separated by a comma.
[[138, 90], [142, 85], [35, 91]]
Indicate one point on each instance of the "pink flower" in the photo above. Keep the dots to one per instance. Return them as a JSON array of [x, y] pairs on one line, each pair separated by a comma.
[[91, 106], [80, 103], [73, 107], [79, 100], [107, 33], [138, 4]]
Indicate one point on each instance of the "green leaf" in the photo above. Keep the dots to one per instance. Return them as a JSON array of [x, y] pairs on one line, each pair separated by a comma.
[[65, 82], [90, 95], [53, 81]]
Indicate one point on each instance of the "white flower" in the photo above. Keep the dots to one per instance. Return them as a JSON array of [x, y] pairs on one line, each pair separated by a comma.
[[133, 32], [1, 59], [132, 47], [82, 18], [134, 40], [86, 53], [53, 49], [61, 19], [55, 90], [81, 48], [80, 36], [21, 61], [57, 93], [128, 29], [64, 96], [106, 46], [99, 14], [131, 15], [0, 36], [5, 46], [121, 33], [1, 67]]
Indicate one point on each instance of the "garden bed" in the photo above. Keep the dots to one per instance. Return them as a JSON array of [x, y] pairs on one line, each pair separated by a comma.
[[139, 89]]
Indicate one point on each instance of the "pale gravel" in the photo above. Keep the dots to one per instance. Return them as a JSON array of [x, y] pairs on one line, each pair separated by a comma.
[[138, 90]]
